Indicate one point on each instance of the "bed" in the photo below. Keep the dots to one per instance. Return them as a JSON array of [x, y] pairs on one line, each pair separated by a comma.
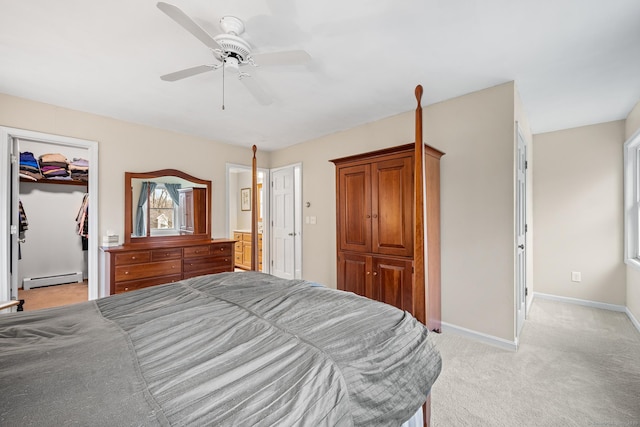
[[245, 349], [228, 349]]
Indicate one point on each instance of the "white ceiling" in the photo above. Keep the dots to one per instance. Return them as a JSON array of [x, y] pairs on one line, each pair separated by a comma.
[[575, 62]]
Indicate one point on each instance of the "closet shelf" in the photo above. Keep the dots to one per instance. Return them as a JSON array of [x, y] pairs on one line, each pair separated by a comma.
[[56, 181]]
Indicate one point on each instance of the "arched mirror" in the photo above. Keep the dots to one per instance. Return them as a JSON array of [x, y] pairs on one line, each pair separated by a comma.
[[166, 205]]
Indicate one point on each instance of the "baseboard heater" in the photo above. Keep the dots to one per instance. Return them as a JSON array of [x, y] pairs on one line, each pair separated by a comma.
[[59, 279]]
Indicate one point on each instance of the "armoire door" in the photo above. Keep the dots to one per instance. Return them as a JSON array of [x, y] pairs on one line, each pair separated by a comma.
[[354, 273], [354, 208], [392, 282], [392, 207]]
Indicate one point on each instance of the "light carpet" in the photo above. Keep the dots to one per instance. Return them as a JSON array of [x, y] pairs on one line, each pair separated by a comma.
[[576, 366]]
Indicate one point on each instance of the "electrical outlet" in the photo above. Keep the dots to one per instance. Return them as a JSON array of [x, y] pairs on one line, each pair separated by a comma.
[[576, 276]]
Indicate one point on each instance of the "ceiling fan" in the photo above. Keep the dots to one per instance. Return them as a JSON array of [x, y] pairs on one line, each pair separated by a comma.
[[231, 51]]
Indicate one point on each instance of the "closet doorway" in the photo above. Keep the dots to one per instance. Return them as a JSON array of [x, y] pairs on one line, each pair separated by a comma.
[[50, 250]]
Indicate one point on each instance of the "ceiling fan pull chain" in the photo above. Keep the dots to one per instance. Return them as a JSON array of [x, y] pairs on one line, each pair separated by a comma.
[[223, 67]]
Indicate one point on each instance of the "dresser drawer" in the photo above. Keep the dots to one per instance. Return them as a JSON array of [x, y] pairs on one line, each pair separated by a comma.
[[221, 249], [197, 264], [151, 269], [237, 236], [165, 254], [132, 285], [133, 257], [196, 251]]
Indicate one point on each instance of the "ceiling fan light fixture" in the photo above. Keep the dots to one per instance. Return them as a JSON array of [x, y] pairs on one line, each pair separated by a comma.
[[231, 63]]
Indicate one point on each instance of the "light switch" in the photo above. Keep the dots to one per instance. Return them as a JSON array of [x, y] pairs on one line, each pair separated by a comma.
[[312, 220], [576, 276], [306, 219]]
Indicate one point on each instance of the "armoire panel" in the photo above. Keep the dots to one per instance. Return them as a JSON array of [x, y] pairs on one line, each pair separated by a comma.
[[392, 201]]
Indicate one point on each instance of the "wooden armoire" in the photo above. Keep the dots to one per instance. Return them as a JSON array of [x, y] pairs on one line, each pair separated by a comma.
[[375, 205]]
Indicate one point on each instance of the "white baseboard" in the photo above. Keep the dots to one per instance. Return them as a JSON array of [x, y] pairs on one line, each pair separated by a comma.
[[633, 319], [479, 336], [587, 303], [513, 345], [594, 304]]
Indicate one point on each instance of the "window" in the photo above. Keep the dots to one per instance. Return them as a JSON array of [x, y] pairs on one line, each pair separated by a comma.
[[632, 200]]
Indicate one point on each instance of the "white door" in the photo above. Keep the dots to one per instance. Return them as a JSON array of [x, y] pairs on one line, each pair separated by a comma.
[[284, 234], [521, 231]]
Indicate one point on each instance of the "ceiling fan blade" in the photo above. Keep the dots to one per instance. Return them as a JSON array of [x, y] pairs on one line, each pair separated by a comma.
[[188, 24], [256, 90], [188, 72], [287, 57]]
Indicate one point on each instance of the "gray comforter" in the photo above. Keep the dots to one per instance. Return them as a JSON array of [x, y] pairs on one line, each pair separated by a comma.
[[232, 349]]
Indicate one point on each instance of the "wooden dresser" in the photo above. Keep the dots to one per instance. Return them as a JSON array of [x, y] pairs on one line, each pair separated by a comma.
[[243, 250], [136, 266], [375, 225]]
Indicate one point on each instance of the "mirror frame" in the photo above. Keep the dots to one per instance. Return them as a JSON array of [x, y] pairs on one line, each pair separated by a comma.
[[128, 206]]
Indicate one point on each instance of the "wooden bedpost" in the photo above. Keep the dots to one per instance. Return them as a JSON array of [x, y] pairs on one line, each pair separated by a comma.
[[254, 212], [418, 240]]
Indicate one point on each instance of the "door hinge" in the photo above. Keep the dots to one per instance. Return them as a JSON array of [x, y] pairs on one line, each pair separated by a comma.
[[526, 291], [13, 229], [526, 164], [526, 228]]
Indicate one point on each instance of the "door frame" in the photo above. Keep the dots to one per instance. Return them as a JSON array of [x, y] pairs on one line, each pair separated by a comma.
[[521, 221], [266, 231], [7, 135]]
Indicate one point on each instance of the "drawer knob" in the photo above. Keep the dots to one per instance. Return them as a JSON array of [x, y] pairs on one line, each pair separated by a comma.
[[375, 273], [126, 272], [133, 257], [222, 249]]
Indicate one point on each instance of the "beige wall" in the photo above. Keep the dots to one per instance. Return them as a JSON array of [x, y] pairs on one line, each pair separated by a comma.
[[632, 125], [126, 146], [578, 209], [476, 132]]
